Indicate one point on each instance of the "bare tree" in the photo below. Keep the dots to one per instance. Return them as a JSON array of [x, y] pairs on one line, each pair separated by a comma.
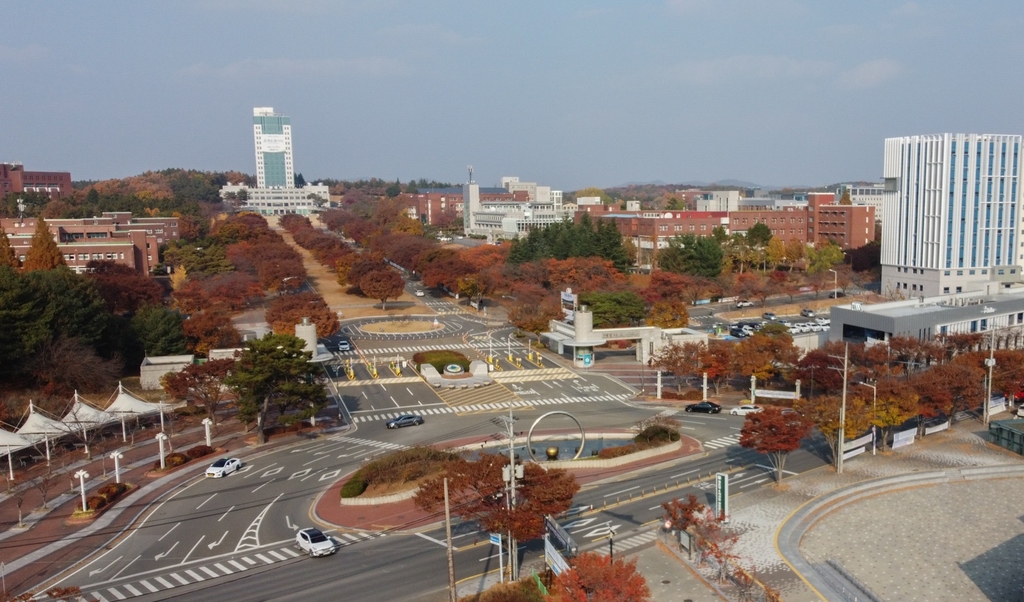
[[46, 482]]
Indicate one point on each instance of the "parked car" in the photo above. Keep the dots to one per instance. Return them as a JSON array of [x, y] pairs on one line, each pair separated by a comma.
[[744, 303], [784, 321], [223, 467], [836, 294], [822, 321], [420, 293], [1020, 412], [744, 410], [707, 407], [769, 316], [807, 313], [798, 328], [814, 326], [314, 542], [405, 420]]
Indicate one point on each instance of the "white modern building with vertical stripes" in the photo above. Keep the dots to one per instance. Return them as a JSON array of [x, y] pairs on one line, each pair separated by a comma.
[[953, 219]]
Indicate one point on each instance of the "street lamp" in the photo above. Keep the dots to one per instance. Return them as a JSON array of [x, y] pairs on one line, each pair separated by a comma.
[[874, 404], [990, 362], [82, 476], [835, 284], [207, 423], [116, 456], [160, 438]]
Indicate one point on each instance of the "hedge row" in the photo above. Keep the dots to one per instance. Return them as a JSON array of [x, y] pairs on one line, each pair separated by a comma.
[[105, 495]]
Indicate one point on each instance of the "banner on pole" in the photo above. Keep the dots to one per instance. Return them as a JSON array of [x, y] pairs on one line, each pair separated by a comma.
[[722, 497]]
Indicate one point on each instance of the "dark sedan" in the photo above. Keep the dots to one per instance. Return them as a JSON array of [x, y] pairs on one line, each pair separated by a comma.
[[705, 406], [407, 420]]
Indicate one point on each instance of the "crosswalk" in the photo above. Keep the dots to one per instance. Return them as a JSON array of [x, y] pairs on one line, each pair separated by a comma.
[[369, 442], [635, 541], [727, 441], [534, 374], [487, 407], [208, 570]]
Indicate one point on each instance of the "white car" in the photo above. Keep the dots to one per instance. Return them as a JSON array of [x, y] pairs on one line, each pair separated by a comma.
[[744, 410], [315, 543], [814, 326], [223, 467], [822, 321], [420, 293], [744, 303]]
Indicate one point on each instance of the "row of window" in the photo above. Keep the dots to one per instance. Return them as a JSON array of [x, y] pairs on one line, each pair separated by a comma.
[[91, 256]]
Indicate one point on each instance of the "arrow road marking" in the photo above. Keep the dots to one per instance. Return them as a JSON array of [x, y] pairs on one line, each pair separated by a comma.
[[159, 556], [98, 571], [217, 543], [603, 530], [288, 521]]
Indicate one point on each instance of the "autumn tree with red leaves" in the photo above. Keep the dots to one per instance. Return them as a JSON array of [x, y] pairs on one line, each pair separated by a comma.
[[285, 311], [382, 284], [123, 289], [43, 254], [774, 432], [208, 330], [594, 577], [682, 515], [200, 384], [478, 490], [533, 308]]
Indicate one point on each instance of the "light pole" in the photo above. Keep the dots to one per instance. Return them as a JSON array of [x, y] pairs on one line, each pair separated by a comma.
[[835, 284], [990, 361], [207, 423], [874, 405], [116, 456], [842, 409], [82, 476], [160, 438]]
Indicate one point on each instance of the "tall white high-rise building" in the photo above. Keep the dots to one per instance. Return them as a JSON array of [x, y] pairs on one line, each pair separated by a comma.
[[951, 224], [273, 136]]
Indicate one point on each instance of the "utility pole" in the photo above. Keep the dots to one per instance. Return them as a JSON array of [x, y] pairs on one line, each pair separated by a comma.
[[513, 471], [448, 538], [842, 408], [991, 363]]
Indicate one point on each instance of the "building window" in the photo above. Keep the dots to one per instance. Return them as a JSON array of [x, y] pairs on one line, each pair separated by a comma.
[[946, 273], [945, 289], [959, 272]]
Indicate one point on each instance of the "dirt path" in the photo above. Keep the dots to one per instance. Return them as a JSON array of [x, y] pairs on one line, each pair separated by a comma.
[[325, 283]]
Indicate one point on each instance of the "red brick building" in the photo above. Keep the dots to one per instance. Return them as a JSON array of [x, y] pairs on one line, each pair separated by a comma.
[[429, 204], [849, 226], [116, 236], [14, 178]]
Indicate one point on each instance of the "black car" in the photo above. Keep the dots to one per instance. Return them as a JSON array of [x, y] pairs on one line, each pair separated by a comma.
[[705, 406], [836, 294], [406, 420]]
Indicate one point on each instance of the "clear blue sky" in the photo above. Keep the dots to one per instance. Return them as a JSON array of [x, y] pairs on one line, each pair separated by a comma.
[[568, 93]]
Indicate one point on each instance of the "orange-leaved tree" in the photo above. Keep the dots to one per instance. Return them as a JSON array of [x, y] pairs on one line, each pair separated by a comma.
[[7, 255], [477, 489], [595, 577], [774, 432], [286, 311], [43, 254], [382, 284], [200, 384]]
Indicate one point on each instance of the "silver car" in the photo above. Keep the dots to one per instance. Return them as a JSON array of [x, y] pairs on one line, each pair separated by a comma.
[[314, 542]]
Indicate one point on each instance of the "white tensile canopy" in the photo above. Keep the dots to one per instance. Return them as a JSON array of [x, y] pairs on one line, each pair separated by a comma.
[[12, 442], [38, 427], [126, 403], [83, 416]]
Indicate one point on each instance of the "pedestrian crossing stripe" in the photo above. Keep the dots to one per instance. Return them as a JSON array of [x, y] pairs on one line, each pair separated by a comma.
[[221, 568], [484, 407], [371, 443], [722, 442], [636, 541], [498, 350], [378, 381]]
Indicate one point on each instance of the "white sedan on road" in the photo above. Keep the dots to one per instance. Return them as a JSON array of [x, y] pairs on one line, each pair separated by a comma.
[[223, 467], [744, 410], [314, 542]]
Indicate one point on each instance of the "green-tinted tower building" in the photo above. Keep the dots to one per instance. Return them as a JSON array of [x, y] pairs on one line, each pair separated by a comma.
[[273, 136]]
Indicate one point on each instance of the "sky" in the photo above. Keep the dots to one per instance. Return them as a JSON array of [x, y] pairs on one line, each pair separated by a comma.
[[569, 93]]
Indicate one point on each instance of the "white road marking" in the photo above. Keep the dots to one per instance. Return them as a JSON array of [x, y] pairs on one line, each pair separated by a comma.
[[201, 537], [206, 500], [263, 485], [218, 542], [437, 541], [169, 532], [225, 514], [167, 553], [117, 574], [623, 491]]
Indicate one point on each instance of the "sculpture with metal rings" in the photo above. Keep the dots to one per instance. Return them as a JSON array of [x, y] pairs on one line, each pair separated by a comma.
[[529, 436]]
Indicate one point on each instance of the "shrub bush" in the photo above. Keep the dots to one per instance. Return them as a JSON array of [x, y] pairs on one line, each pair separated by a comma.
[[111, 491], [692, 395], [655, 435], [441, 358], [199, 451], [172, 460], [617, 451], [190, 410], [355, 486], [95, 502]]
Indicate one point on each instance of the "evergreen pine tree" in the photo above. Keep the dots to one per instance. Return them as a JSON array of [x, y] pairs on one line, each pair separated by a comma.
[[7, 256], [43, 254]]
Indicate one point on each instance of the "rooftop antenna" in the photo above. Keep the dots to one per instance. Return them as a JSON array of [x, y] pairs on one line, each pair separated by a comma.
[[470, 168]]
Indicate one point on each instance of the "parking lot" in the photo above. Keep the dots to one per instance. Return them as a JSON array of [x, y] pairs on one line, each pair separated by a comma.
[[806, 321]]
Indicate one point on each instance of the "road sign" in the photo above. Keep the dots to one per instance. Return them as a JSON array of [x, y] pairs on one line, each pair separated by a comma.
[[496, 539], [722, 496]]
